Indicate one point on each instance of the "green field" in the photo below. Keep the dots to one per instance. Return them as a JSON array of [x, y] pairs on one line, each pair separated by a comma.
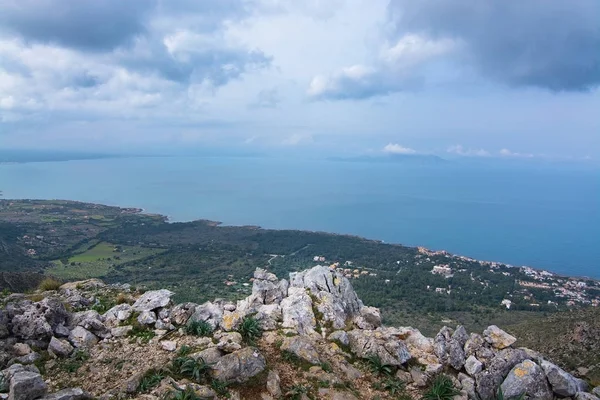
[[98, 261]]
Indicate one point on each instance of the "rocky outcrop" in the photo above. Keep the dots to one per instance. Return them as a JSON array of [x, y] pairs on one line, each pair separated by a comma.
[[316, 316]]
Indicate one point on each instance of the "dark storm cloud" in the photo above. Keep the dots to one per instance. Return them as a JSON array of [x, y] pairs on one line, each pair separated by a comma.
[[553, 44], [89, 25]]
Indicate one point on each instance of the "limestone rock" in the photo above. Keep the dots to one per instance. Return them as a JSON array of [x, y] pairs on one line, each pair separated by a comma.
[[117, 314], [266, 289], [60, 347], [455, 348], [211, 313], [168, 345], [268, 315], [274, 384], [182, 312], [147, 318], [81, 337], [562, 383], [368, 318], [239, 366], [489, 380], [69, 394], [152, 300], [37, 320], [297, 311], [21, 349], [383, 342], [303, 347], [498, 338], [473, 366], [527, 378], [26, 385], [440, 343], [585, 396], [121, 331], [210, 356], [340, 336]]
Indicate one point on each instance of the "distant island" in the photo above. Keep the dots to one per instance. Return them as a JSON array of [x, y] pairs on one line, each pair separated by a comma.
[[410, 159]]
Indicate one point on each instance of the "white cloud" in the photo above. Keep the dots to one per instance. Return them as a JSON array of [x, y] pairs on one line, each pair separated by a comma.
[[467, 152], [508, 153], [394, 148], [298, 139]]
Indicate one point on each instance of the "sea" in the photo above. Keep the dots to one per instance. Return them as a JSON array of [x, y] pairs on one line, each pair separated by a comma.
[[542, 216]]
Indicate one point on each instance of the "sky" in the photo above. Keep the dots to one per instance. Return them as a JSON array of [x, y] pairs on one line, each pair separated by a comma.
[[458, 78]]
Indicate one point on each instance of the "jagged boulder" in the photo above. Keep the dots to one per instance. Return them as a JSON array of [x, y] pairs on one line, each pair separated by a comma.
[[563, 383], [473, 366], [210, 355], [266, 289], [498, 338], [117, 314], [335, 298], [527, 379], [152, 300], [147, 318], [209, 312], [297, 311], [37, 320], [26, 385], [82, 338], [239, 366], [489, 380], [384, 342], [368, 318], [302, 347], [455, 348]]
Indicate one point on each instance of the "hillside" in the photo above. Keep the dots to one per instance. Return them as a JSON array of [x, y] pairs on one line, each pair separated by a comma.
[[306, 337]]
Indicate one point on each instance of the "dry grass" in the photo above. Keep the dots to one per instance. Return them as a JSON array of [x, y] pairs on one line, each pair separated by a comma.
[[49, 284]]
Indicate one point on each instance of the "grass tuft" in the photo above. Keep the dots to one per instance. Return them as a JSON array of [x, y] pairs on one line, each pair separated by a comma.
[[49, 284]]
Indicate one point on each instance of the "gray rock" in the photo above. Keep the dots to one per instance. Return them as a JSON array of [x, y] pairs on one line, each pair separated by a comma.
[[117, 314], [168, 345], [147, 318], [4, 325], [91, 321], [596, 391], [527, 378], [489, 380], [583, 386], [368, 318], [60, 347], [182, 312], [21, 349], [69, 394], [474, 344], [473, 366], [26, 385], [441, 342], [210, 356], [121, 331], [81, 337], [27, 359], [340, 336], [303, 347], [336, 299], [152, 300], [166, 326], [468, 386], [61, 331], [498, 338], [274, 384], [269, 315], [266, 289], [562, 383], [239, 366], [383, 342], [211, 313], [297, 311], [37, 320], [585, 396], [455, 348]]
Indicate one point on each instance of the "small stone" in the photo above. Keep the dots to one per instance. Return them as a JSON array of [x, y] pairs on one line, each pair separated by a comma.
[[339, 336], [60, 347], [168, 345], [69, 394], [274, 384], [21, 349], [147, 318], [121, 331], [81, 337]]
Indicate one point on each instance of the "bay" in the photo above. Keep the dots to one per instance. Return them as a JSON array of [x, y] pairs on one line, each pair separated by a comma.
[[541, 216]]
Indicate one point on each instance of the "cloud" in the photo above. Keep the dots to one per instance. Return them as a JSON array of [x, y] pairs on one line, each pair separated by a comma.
[[397, 69], [394, 148], [467, 152], [551, 44], [297, 139], [508, 153]]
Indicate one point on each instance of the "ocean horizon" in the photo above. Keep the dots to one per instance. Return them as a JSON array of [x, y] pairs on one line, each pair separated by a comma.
[[539, 216]]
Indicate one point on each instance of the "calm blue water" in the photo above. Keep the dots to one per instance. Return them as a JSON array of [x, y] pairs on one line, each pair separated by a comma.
[[542, 217]]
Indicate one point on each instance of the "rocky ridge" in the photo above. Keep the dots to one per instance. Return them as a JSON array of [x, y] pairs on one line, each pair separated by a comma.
[[318, 341]]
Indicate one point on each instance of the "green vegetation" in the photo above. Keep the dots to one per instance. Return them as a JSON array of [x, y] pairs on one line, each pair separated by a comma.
[[377, 367], [187, 394], [198, 370], [198, 328], [441, 388], [250, 329], [74, 361], [297, 392], [150, 380]]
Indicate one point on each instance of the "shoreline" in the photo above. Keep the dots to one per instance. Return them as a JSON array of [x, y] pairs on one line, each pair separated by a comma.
[[421, 249]]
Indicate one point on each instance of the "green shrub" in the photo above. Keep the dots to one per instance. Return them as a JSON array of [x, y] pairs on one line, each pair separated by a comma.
[[500, 395], [377, 367], [250, 329], [219, 387], [198, 328], [296, 392], [150, 380], [441, 388], [49, 284], [325, 366], [198, 369], [4, 383], [394, 386], [187, 394], [184, 350]]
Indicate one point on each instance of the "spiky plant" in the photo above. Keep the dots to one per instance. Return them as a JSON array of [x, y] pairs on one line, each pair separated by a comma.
[[250, 329], [198, 328], [377, 366], [441, 388]]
